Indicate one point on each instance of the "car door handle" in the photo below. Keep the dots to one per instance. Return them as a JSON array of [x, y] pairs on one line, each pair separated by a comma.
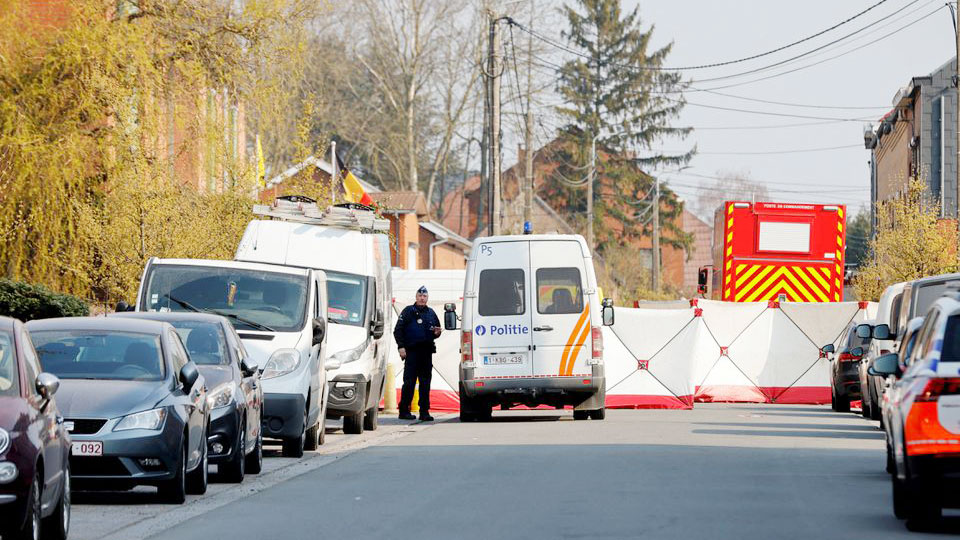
[[544, 328]]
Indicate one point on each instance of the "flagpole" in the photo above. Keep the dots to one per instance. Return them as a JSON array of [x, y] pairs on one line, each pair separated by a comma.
[[335, 174]]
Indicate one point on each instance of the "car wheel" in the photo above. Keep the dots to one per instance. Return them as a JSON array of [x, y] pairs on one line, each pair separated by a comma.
[[57, 526], [833, 399], [197, 480], [255, 458], [235, 469], [581, 415], [31, 527], [891, 466], [312, 437], [598, 414], [842, 402], [865, 404], [174, 491], [294, 447], [371, 418], [875, 407], [353, 424]]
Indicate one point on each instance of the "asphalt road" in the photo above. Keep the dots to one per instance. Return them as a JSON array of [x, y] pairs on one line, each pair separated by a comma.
[[718, 471]]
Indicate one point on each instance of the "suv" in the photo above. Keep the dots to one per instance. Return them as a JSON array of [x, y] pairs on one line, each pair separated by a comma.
[[924, 423], [844, 369], [888, 312]]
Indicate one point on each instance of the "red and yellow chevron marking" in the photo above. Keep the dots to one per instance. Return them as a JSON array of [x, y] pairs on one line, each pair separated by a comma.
[[763, 282], [841, 239], [575, 341], [727, 284]]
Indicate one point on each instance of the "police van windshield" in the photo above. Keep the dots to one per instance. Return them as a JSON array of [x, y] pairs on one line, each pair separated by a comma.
[[346, 298], [250, 299]]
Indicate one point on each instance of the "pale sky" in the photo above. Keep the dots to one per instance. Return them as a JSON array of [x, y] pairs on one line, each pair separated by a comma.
[[867, 78]]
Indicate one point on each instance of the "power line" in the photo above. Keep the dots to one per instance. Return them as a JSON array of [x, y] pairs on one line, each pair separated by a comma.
[[769, 113], [703, 66], [785, 104], [772, 152]]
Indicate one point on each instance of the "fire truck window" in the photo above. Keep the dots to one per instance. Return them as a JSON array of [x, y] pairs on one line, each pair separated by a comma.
[[789, 237]]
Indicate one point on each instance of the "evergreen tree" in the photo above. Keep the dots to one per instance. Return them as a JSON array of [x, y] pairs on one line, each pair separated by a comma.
[[616, 86]]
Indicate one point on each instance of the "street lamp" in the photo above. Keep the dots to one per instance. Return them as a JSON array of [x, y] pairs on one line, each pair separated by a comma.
[[655, 240]]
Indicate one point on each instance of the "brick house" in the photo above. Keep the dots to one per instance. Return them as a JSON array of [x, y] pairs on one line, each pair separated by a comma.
[[917, 138]]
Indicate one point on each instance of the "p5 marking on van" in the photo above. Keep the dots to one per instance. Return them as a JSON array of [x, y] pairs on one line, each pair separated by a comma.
[[531, 326]]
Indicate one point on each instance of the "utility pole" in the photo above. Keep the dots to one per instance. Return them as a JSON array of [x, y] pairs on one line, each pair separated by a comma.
[[590, 175], [484, 150], [528, 136], [655, 242], [956, 109], [495, 71]]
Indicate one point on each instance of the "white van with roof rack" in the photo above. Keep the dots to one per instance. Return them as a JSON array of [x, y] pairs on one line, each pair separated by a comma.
[[350, 244], [280, 315], [531, 332]]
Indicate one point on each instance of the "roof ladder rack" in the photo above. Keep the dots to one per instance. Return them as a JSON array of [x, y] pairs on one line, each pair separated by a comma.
[[299, 209]]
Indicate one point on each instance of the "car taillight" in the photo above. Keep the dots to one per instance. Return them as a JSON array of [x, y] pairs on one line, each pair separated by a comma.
[[466, 346], [597, 342], [938, 387], [847, 357]]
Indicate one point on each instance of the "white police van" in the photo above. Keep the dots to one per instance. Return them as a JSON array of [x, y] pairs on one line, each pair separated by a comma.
[[531, 332]]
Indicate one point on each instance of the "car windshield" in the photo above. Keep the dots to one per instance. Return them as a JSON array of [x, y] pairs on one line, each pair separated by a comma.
[[96, 354], [346, 298], [9, 374], [204, 341], [250, 299]]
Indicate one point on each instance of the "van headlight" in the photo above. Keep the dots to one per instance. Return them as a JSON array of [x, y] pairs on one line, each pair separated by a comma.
[[152, 419], [281, 362], [351, 355], [222, 395]]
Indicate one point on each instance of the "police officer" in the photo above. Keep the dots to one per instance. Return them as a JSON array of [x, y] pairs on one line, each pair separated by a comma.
[[417, 329]]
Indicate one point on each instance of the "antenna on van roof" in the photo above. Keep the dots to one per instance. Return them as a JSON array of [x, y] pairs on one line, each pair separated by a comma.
[[300, 209]]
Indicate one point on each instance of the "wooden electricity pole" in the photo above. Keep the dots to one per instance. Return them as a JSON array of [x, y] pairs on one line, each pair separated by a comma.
[[528, 135], [495, 70], [655, 241]]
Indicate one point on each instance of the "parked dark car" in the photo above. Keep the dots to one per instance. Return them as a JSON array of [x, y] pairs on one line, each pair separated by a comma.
[[235, 396], [135, 405], [844, 368], [34, 446]]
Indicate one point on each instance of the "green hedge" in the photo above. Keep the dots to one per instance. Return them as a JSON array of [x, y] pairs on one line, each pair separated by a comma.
[[27, 302]]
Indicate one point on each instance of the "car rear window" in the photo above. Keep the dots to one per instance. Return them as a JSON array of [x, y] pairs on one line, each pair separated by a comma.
[[204, 341], [559, 291], [9, 374], [98, 354], [927, 295], [951, 341], [502, 292]]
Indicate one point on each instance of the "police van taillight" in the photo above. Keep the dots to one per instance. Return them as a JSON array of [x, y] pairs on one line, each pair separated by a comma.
[[597, 334], [466, 346], [938, 387]]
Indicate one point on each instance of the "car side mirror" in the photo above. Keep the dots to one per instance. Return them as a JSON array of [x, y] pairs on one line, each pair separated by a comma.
[[883, 365], [319, 330], [332, 363], [376, 326], [857, 351], [123, 306], [47, 385], [829, 348], [882, 331], [189, 375], [864, 331], [450, 316], [248, 367], [607, 312]]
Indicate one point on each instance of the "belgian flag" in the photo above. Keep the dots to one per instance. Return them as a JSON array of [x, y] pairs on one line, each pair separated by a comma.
[[353, 191]]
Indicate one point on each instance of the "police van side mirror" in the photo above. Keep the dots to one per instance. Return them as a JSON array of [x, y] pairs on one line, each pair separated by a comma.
[[608, 316], [450, 316]]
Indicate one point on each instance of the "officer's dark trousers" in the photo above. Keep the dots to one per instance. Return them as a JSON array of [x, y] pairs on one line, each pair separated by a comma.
[[418, 365]]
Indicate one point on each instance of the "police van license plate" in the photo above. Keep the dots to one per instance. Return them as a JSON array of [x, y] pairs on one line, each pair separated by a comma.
[[503, 359], [87, 448]]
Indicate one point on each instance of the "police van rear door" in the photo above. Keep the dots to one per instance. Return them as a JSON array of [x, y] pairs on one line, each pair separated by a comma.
[[501, 324], [561, 311]]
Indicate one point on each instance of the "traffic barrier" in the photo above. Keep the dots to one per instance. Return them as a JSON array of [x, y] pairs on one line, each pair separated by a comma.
[[674, 354]]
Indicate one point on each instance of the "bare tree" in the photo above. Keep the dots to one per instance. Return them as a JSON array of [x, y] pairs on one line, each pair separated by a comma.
[[729, 185]]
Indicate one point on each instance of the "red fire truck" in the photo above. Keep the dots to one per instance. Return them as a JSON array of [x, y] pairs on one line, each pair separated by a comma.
[[768, 251]]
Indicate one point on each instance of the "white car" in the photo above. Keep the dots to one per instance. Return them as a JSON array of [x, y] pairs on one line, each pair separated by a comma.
[[532, 318], [351, 247], [280, 315]]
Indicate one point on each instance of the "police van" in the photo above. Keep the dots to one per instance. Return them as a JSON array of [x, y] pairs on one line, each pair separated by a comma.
[[531, 327]]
